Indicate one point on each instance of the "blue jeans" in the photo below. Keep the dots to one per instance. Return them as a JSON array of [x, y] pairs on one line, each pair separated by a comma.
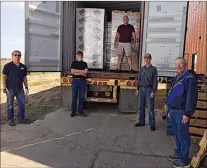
[[144, 97], [20, 96], [78, 92], [182, 135], [169, 121]]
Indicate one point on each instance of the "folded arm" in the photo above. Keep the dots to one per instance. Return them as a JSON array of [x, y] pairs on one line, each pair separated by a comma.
[[79, 72]]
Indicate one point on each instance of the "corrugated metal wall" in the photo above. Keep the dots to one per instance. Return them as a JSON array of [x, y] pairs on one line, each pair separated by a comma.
[[196, 36], [68, 48]]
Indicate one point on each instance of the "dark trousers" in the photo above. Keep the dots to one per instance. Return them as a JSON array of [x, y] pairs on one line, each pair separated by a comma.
[[78, 92], [144, 97], [182, 135], [20, 96]]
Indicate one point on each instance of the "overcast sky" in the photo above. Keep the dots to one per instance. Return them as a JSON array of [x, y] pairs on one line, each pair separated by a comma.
[[12, 28]]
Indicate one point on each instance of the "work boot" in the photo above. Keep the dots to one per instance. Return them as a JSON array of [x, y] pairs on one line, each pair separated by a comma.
[[24, 121], [11, 123], [152, 128], [72, 114], [177, 164], [139, 125]]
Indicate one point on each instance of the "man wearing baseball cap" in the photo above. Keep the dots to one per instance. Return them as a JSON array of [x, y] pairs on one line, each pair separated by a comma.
[[146, 88]]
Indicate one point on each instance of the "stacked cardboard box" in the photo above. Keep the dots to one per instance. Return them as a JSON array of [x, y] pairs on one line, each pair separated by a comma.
[[107, 40], [90, 34], [117, 19]]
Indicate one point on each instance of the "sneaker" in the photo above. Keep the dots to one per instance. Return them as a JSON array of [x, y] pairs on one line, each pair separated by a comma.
[[139, 125], [152, 128], [72, 114], [177, 164], [83, 114], [11, 123], [173, 158], [24, 121]]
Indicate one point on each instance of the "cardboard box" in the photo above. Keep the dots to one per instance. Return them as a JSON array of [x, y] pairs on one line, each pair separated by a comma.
[[117, 20], [90, 35]]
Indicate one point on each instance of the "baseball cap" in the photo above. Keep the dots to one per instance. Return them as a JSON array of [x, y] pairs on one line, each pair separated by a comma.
[[147, 55]]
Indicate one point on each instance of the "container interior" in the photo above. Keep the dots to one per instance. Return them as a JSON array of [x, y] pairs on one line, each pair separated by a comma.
[[109, 6]]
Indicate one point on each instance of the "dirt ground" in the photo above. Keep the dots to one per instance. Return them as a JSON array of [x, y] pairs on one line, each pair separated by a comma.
[[44, 95]]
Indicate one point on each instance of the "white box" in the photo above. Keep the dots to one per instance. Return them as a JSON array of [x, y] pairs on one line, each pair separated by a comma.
[[90, 35]]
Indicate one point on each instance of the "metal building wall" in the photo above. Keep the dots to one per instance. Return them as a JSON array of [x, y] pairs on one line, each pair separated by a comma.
[[196, 36]]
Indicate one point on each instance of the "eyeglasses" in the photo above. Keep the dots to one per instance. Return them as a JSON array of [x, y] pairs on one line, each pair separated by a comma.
[[17, 55]]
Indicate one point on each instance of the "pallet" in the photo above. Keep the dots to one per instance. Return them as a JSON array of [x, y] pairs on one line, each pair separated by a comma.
[[198, 122], [202, 152], [195, 139], [202, 95], [199, 113], [197, 130], [202, 104]]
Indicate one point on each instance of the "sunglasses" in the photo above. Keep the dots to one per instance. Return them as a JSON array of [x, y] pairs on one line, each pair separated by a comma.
[[17, 55]]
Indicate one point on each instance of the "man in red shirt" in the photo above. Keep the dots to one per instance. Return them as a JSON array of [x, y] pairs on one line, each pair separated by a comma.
[[124, 39]]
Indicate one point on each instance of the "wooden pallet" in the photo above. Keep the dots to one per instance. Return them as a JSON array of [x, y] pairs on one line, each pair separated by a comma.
[[199, 113], [198, 121], [197, 130], [197, 159], [195, 139]]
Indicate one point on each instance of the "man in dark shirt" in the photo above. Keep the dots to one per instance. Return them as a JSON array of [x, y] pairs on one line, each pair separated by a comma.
[[13, 76], [79, 70], [124, 39], [147, 86]]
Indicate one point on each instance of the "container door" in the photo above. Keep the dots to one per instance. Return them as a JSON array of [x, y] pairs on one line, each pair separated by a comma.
[[164, 34], [43, 36]]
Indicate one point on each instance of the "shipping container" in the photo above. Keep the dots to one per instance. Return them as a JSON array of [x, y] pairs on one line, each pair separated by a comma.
[[50, 32], [196, 36], [51, 44]]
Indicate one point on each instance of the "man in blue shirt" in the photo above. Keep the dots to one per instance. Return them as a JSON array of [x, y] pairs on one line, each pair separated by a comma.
[[181, 102], [13, 76], [147, 86]]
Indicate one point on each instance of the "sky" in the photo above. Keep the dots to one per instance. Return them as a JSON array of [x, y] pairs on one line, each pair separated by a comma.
[[12, 28]]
